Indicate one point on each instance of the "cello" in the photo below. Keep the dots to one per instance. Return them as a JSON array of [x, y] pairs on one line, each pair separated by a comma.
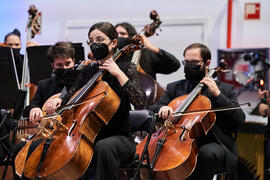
[[151, 87], [175, 140], [67, 136]]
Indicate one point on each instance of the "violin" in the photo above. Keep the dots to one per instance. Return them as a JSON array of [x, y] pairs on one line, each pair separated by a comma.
[[175, 140], [67, 136]]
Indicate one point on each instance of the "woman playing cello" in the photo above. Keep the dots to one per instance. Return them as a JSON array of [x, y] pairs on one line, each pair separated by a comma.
[[217, 150], [113, 144]]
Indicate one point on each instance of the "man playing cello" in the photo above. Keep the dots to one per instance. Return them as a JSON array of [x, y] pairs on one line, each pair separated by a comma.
[[217, 149], [62, 57]]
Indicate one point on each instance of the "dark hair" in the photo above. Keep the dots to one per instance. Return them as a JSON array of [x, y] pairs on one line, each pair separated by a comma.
[[15, 32], [129, 28], [61, 50], [107, 28], [205, 52]]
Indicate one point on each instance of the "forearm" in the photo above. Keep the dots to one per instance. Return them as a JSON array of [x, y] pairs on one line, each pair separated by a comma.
[[122, 78]]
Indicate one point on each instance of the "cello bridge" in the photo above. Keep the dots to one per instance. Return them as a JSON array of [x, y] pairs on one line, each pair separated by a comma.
[[170, 126]]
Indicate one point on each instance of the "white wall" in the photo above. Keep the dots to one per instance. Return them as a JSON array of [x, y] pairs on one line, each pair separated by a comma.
[[55, 14]]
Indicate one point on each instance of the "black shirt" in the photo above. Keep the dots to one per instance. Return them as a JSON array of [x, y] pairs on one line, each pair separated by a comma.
[[46, 89], [162, 62], [131, 92]]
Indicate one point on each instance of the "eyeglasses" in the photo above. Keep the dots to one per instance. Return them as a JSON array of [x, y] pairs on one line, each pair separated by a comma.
[[192, 62], [98, 40]]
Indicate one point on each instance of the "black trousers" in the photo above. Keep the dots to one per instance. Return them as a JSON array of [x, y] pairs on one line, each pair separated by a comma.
[[107, 158], [211, 160]]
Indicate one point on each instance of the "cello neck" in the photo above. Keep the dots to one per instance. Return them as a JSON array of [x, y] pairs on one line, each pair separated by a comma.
[[138, 41], [194, 93], [89, 85]]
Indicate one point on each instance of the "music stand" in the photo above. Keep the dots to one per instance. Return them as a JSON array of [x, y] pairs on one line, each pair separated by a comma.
[[39, 63], [8, 79]]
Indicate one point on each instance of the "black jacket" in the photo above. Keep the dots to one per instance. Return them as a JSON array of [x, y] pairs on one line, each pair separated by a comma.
[[46, 89], [131, 92], [227, 122], [162, 62]]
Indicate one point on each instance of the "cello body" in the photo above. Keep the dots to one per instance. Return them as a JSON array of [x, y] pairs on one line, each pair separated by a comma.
[[73, 134], [152, 89], [177, 159]]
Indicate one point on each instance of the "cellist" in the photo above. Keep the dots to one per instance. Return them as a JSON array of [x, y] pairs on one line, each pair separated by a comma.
[[113, 144], [62, 59], [217, 150]]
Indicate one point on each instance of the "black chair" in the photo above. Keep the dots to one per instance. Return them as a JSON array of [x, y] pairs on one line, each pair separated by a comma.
[[223, 174], [8, 160], [141, 120]]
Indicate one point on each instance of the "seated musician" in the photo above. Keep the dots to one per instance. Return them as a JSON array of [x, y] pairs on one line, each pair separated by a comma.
[[113, 144], [153, 60], [62, 57], [217, 150]]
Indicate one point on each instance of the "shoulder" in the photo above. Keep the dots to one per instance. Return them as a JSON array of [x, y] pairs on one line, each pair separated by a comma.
[[177, 83], [224, 86], [46, 82]]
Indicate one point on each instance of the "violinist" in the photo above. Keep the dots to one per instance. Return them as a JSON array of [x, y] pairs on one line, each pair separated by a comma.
[[217, 150], [113, 144], [62, 57], [153, 60]]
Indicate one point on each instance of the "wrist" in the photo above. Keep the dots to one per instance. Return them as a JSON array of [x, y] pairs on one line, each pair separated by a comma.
[[217, 93], [155, 49]]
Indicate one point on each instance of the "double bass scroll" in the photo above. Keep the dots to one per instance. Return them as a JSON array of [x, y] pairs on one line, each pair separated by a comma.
[[152, 88]]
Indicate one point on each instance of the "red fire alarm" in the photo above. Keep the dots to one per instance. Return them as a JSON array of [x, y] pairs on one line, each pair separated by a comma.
[[252, 10]]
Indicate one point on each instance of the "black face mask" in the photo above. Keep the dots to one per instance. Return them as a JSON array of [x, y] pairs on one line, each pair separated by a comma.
[[64, 74], [16, 51], [99, 50], [194, 72], [122, 42]]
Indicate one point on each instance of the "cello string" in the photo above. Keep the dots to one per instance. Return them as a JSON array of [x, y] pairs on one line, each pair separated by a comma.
[[177, 114], [184, 113]]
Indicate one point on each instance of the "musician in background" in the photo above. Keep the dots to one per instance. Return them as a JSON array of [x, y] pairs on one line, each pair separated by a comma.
[[217, 150], [113, 144], [13, 40], [153, 60], [62, 57], [264, 106]]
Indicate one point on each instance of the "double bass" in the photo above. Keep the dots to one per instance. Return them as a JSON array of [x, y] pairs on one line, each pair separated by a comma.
[[152, 88], [172, 149], [64, 142]]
